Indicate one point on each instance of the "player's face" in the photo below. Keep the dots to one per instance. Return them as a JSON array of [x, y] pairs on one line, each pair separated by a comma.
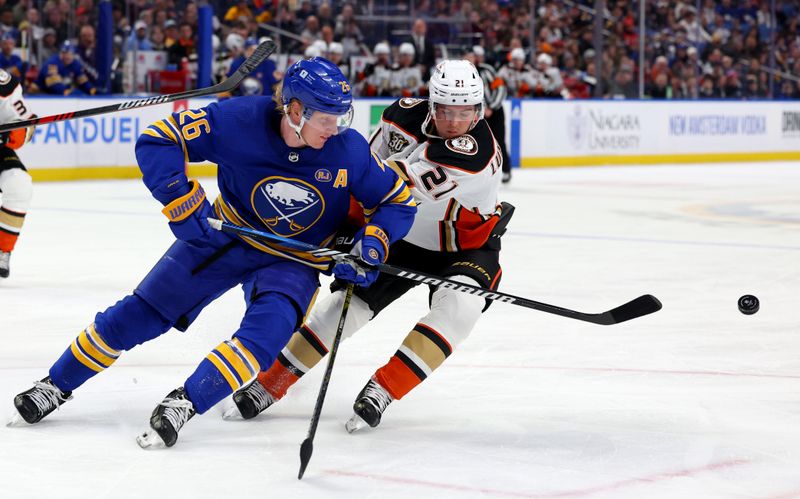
[[452, 121], [319, 127]]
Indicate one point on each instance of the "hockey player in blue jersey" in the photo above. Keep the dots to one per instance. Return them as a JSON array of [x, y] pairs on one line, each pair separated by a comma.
[[288, 169]]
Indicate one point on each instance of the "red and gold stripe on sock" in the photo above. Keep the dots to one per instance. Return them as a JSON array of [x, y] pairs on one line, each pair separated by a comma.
[[10, 225], [235, 362], [423, 350], [92, 351], [279, 377]]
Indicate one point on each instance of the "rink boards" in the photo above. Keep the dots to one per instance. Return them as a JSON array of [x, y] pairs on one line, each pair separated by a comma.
[[542, 133]]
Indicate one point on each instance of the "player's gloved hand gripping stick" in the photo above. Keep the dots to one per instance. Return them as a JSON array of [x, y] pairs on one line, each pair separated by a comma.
[[643, 305]]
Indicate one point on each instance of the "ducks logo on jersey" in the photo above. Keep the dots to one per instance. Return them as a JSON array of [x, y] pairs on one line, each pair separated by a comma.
[[288, 206]]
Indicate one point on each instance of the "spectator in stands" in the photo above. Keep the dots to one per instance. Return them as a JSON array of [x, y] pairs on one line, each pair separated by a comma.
[[87, 53], [55, 20], [239, 10], [352, 40], [10, 61], [138, 41], [310, 30], [63, 74], [406, 80], [325, 16], [424, 50], [660, 88], [708, 88], [622, 85], [157, 38], [184, 48], [49, 46], [171, 33], [7, 25]]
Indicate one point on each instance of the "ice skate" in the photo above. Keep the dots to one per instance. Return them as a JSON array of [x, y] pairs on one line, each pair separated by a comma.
[[5, 263], [369, 407], [249, 402], [167, 420], [34, 404]]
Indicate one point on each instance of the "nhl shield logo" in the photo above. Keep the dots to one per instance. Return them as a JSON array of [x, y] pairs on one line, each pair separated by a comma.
[[294, 157], [287, 206]]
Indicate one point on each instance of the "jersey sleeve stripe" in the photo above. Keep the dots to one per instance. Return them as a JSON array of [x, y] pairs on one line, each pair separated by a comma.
[[162, 126]]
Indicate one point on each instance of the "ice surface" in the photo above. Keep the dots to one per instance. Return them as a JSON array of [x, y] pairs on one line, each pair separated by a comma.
[[696, 401]]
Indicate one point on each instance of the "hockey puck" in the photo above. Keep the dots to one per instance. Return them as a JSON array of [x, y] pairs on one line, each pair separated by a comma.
[[748, 304]]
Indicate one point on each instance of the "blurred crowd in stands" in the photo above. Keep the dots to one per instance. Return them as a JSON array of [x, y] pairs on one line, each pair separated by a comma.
[[721, 50]]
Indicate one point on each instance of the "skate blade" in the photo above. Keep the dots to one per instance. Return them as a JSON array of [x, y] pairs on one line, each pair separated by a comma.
[[16, 421], [150, 440], [355, 423]]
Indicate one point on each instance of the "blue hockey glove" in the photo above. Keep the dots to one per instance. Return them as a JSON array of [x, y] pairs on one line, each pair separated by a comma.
[[187, 213], [371, 248]]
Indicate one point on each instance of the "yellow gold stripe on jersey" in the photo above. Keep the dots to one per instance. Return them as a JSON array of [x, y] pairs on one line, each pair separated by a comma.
[[228, 213], [448, 237], [399, 194], [91, 351]]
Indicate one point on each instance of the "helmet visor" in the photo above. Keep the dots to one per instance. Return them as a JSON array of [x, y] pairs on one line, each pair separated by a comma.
[[326, 123], [454, 113]]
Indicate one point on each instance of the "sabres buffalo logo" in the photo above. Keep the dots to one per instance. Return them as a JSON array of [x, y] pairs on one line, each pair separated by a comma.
[[287, 206]]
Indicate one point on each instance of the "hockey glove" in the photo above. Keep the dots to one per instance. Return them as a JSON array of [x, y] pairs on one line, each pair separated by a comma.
[[188, 211], [371, 248]]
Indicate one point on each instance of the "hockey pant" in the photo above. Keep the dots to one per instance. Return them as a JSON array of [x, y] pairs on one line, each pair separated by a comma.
[[450, 320], [17, 191], [180, 285]]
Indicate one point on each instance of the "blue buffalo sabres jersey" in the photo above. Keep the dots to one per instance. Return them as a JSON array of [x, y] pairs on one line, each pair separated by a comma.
[[300, 193]]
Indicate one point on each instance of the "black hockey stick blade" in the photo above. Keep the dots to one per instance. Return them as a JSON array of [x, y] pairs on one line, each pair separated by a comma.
[[643, 305], [259, 55], [306, 449]]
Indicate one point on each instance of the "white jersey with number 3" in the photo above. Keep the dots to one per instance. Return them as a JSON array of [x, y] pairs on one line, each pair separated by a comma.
[[455, 181], [12, 104]]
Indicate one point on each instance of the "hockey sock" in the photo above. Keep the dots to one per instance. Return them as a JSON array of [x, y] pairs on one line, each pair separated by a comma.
[[10, 226], [88, 355], [303, 352], [222, 372], [422, 351]]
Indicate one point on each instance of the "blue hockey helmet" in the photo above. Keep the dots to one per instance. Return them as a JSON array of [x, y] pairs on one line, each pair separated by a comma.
[[319, 85]]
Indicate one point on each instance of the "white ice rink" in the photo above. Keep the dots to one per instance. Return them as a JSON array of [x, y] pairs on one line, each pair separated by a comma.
[[695, 401]]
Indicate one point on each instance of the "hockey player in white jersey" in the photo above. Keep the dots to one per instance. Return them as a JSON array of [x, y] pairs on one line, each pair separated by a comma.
[[15, 183], [446, 153]]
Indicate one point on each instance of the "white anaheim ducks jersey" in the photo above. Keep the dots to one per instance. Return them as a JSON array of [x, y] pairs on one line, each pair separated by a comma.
[[455, 182], [520, 82], [12, 104], [406, 81]]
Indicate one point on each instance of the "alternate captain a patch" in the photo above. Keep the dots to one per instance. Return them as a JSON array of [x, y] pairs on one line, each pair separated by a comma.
[[288, 206], [464, 144]]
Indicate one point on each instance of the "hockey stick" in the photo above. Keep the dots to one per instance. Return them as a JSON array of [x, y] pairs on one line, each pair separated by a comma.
[[307, 447], [643, 305], [259, 55]]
